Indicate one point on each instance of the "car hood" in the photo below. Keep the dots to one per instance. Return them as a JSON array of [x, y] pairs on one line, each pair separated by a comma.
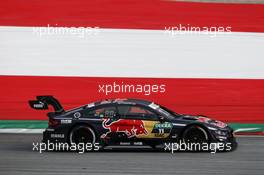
[[206, 120]]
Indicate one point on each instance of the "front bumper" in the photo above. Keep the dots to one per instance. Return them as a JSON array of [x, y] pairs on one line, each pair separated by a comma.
[[225, 136]]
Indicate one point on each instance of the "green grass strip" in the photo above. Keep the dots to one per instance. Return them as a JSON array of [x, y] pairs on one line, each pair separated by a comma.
[[27, 124], [259, 127]]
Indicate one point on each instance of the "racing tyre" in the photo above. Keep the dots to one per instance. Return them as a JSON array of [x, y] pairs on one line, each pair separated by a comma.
[[82, 135], [195, 135]]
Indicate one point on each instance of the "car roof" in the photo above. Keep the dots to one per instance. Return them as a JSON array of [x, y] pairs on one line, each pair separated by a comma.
[[129, 101]]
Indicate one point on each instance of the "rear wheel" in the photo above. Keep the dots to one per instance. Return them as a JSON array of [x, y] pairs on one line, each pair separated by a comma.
[[82, 134]]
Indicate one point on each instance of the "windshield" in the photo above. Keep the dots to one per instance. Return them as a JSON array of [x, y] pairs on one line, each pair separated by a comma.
[[165, 111], [170, 111]]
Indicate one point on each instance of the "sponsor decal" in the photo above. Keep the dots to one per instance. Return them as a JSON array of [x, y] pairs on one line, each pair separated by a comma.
[[165, 125], [90, 105], [220, 124], [57, 135], [105, 102], [124, 143], [77, 115], [213, 122], [154, 106], [119, 100], [130, 143], [203, 119], [131, 128], [138, 143], [39, 105], [162, 129], [64, 121]]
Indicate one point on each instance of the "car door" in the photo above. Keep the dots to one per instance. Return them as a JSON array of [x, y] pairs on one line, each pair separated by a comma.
[[141, 122], [108, 119]]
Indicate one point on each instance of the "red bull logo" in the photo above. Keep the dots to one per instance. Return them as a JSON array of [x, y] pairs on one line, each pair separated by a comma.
[[130, 127]]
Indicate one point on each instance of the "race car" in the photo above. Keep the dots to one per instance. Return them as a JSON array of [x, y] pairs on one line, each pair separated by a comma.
[[118, 122]]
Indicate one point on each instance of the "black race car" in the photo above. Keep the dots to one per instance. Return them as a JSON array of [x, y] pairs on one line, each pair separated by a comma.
[[129, 122]]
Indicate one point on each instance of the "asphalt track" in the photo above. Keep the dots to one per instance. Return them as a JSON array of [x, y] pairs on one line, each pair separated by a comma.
[[17, 157]]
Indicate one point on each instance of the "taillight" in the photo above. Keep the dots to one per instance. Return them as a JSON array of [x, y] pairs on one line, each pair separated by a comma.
[[53, 122]]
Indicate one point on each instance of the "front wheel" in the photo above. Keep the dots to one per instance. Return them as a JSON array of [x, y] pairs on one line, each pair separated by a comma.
[[195, 134]]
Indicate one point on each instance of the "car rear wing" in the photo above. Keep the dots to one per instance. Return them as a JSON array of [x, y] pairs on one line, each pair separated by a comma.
[[43, 102]]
